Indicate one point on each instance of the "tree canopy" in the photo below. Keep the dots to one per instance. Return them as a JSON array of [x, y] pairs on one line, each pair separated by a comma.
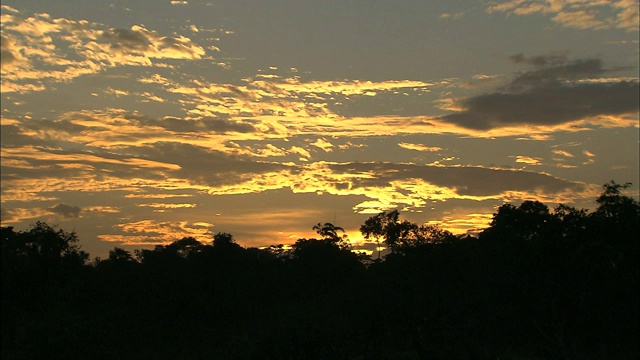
[[537, 283]]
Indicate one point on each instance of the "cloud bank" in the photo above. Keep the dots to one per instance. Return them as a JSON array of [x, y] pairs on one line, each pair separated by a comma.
[[557, 91]]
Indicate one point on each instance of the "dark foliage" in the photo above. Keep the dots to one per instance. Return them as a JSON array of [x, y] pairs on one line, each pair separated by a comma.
[[536, 284]]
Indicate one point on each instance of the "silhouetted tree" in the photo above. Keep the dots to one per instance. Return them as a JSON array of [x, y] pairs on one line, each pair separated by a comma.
[[534, 284], [386, 225], [120, 255], [572, 222], [528, 222], [329, 232], [613, 204], [402, 236], [49, 244], [224, 241], [186, 247], [43, 272]]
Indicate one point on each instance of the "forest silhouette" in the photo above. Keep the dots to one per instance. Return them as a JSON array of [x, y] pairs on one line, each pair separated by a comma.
[[536, 284]]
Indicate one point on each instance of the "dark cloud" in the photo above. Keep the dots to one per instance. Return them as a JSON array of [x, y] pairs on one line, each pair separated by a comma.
[[179, 45], [470, 181], [97, 164], [127, 39], [207, 166], [560, 71], [7, 56], [542, 60], [60, 127], [12, 136], [196, 164], [235, 90], [549, 95], [140, 40], [546, 105], [66, 211], [207, 124]]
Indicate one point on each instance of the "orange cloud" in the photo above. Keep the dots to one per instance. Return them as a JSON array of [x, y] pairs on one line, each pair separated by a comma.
[[562, 153], [528, 160], [419, 147], [85, 48]]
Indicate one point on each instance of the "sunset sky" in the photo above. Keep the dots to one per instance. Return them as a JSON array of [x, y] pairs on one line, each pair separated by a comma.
[[137, 123]]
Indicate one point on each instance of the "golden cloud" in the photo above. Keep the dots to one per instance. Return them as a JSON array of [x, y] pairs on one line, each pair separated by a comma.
[[419, 147], [30, 57], [621, 14], [528, 160]]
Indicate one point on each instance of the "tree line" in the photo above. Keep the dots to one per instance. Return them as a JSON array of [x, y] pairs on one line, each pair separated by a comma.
[[535, 284]]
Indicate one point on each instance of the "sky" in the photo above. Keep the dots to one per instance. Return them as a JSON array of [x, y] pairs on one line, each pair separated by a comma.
[[137, 123]]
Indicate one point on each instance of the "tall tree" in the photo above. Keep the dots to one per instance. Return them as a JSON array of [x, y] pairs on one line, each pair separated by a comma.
[[329, 232], [528, 222]]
